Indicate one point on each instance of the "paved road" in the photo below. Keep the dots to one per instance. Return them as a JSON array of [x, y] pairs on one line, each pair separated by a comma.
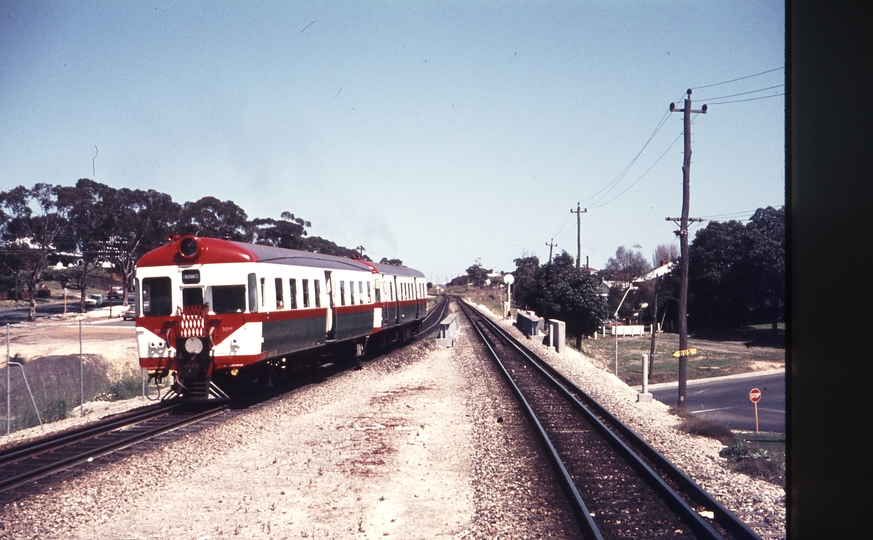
[[17, 315], [726, 400]]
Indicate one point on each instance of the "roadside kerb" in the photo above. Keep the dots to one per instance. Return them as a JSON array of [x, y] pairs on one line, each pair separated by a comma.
[[707, 380]]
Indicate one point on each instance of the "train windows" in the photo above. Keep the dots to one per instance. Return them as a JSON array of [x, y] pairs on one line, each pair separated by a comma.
[[306, 293], [157, 297], [360, 292], [138, 299], [253, 293], [369, 294], [351, 293], [263, 287], [192, 296], [292, 297], [342, 292], [280, 303], [229, 298], [317, 285]]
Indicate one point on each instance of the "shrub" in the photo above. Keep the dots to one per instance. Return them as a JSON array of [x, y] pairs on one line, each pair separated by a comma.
[[126, 388], [754, 462], [56, 410], [694, 425]]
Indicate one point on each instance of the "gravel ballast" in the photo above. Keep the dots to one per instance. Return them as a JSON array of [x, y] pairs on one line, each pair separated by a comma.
[[420, 443]]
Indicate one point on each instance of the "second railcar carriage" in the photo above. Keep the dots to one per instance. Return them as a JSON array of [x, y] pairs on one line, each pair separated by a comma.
[[211, 312]]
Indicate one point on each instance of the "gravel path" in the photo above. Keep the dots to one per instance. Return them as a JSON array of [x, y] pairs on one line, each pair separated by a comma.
[[421, 443]]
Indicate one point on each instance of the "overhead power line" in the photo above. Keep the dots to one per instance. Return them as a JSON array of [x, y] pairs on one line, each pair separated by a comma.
[[745, 93], [615, 181], [749, 99], [740, 78]]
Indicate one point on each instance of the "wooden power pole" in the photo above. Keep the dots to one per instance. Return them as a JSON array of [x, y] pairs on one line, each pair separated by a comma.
[[578, 211], [551, 243], [683, 243]]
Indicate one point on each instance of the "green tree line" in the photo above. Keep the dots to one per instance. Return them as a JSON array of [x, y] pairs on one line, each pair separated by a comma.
[[91, 223], [736, 278]]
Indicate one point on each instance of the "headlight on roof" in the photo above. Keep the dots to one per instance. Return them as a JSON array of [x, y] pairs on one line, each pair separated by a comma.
[[189, 247]]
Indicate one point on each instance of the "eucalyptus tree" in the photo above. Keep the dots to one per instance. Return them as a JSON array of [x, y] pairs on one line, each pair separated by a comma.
[[766, 235], [214, 218], [146, 220], [736, 272], [570, 294], [524, 288], [477, 275], [94, 212], [34, 225], [287, 232], [626, 266]]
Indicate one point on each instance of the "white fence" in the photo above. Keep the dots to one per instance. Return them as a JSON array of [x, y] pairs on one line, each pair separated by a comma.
[[623, 330]]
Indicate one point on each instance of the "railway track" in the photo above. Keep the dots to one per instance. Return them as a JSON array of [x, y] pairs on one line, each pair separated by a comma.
[[30, 461], [433, 318], [35, 459], [619, 486]]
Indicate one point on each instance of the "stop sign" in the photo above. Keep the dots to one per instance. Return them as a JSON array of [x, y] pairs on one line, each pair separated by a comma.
[[754, 395]]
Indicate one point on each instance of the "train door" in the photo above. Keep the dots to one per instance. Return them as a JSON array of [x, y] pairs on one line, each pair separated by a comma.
[[396, 298], [331, 306], [380, 301]]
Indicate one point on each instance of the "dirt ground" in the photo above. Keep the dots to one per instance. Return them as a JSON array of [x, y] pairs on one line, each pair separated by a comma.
[[59, 336], [422, 443]]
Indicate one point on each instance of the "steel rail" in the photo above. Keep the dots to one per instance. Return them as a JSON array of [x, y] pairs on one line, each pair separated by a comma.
[[90, 430], [589, 528], [436, 319], [592, 408], [90, 452]]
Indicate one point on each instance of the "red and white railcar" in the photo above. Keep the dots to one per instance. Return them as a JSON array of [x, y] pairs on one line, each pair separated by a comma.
[[213, 311]]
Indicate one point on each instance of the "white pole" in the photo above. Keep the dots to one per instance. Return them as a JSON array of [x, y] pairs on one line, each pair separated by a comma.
[[8, 387], [615, 331], [81, 375], [645, 373]]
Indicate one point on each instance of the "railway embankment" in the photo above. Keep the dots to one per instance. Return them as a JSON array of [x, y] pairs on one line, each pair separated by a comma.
[[419, 443]]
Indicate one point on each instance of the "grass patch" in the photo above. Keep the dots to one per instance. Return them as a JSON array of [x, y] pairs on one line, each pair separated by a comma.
[[759, 335], [713, 358], [695, 425], [757, 455], [126, 388], [756, 461], [58, 384]]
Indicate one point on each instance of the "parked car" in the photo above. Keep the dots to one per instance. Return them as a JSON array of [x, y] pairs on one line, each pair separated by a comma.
[[115, 292], [94, 300], [129, 314]]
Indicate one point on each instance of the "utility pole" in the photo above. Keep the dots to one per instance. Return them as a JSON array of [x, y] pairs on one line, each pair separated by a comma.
[[578, 211], [551, 243], [683, 243]]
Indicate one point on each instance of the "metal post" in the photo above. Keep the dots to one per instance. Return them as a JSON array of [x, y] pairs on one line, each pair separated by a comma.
[[8, 387], [645, 373], [27, 384], [81, 375], [615, 333]]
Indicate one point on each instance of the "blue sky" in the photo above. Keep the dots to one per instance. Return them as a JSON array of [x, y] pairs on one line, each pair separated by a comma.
[[439, 133]]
